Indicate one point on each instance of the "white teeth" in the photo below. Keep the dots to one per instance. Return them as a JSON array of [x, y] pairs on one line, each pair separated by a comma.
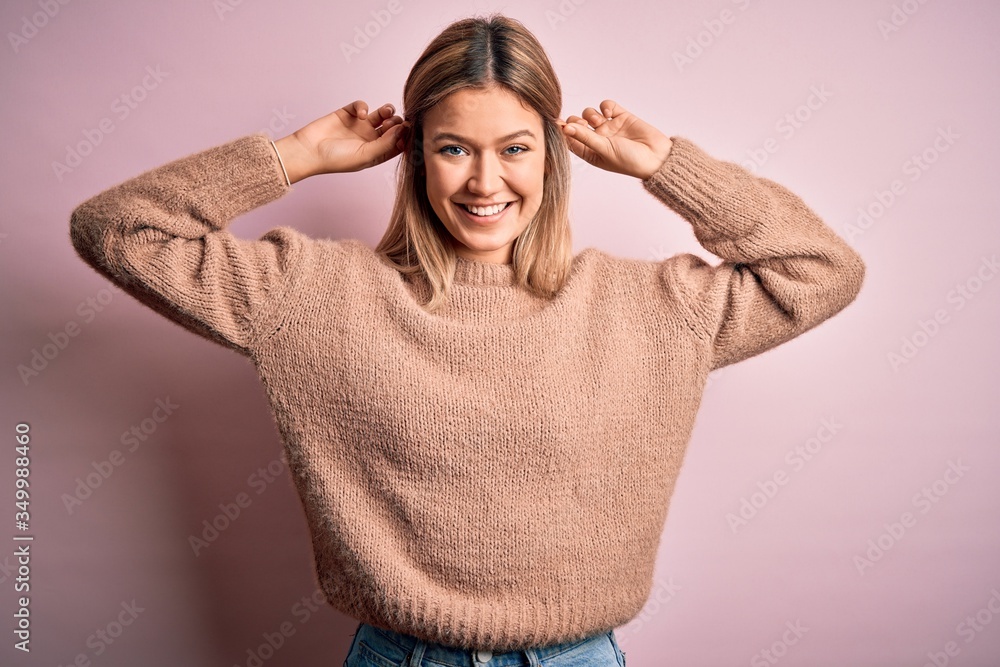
[[485, 210]]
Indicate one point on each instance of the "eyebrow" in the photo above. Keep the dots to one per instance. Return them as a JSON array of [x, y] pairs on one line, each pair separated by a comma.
[[448, 136]]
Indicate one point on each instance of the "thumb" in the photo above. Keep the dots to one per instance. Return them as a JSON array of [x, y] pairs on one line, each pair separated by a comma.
[[584, 141]]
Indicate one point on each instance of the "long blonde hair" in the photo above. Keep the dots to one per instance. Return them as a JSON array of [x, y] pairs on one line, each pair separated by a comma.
[[478, 53]]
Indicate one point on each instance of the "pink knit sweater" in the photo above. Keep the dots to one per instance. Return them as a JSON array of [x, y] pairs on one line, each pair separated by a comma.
[[496, 475]]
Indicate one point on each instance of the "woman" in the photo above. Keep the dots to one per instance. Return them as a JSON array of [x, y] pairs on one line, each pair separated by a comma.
[[484, 429]]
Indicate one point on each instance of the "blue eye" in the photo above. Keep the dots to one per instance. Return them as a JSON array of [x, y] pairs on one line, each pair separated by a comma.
[[446, 150]]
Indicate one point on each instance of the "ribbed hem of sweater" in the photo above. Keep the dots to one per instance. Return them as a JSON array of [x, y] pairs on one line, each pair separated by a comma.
[[504, 625]]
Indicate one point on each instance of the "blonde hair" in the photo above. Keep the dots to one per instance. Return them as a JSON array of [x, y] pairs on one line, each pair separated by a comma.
[[478, 53]]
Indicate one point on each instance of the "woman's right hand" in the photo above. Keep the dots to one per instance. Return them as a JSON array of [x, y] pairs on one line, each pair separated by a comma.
[[349, 139]]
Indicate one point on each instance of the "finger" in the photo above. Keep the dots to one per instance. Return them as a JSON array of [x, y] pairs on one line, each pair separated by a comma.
[[383, 111], [390, 123], [587, 137], [594, 117], [582, 151], [576, 147], [358, 109], [611, 109], [386, 146]]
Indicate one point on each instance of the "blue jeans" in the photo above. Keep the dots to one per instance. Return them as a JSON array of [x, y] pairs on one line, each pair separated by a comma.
[[378, 647]]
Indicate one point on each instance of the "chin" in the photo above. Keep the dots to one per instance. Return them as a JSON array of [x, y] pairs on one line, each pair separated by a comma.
[[483, 246]]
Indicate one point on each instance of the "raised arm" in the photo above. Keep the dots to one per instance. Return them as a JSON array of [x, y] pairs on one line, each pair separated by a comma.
[[783, 271], [163, 236]]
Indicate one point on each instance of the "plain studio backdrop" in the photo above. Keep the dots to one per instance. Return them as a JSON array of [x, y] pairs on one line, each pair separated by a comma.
[[838, 503]]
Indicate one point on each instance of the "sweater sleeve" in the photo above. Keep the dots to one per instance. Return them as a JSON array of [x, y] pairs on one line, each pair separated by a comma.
[[783, 271], [162, 236]]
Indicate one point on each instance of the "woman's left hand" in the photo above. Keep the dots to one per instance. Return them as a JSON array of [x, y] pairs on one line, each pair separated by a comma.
[[617, 140]]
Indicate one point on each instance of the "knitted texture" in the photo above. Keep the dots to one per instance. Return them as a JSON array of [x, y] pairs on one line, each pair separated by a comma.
[[496, 475]]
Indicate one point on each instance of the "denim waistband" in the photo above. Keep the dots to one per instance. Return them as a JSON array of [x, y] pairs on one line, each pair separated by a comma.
[[457, 657]]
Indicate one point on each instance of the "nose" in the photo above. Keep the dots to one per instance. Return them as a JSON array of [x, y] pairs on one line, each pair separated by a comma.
[[486, 177]]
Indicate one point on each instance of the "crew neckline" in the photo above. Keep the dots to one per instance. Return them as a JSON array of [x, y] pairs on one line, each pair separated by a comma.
[[476, 272]]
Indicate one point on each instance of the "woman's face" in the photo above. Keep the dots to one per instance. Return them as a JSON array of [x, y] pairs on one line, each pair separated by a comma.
[[481, 148]]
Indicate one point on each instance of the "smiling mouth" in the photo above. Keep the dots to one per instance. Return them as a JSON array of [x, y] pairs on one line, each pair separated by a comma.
[[485, 211]]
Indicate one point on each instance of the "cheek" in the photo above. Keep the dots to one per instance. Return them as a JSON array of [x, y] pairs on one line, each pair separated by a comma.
[[441, 182], [533, 179], [530, 185]]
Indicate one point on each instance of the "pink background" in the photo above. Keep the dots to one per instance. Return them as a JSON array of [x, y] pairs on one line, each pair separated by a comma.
[[722, 597]]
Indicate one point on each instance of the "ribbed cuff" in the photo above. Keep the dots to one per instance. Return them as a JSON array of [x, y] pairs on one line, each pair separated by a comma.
[[240, 175], [700, 188]]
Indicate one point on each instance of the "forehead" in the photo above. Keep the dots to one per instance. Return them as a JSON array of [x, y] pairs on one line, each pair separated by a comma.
[[483, 114]]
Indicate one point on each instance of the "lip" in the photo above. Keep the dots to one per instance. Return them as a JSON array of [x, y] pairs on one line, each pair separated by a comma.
[[484, 220]]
